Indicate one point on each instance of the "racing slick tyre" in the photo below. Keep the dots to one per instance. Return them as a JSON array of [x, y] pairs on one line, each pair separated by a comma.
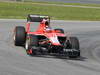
[[31, 45], [75, 53], [19, 36], [59, 30]]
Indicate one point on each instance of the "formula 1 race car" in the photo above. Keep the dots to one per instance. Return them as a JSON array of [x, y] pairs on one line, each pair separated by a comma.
[[45, 39]]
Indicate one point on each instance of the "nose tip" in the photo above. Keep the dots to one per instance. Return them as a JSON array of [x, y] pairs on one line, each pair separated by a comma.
[[57, 44]]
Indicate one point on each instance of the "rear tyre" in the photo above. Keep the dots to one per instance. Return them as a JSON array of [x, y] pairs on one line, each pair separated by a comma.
[[19, 36], [74, 45], [59, 30], [31, 44]]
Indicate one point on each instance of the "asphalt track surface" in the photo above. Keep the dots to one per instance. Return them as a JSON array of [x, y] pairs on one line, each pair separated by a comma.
[[15, 61], [67, 5], [73, 1]]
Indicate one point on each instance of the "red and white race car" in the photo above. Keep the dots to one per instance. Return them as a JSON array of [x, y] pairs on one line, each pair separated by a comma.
[[45, 39]]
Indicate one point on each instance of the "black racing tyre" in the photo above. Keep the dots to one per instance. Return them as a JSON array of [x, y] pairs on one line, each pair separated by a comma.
[[32, 41], [19, 36], [58, 29], [74, 42]]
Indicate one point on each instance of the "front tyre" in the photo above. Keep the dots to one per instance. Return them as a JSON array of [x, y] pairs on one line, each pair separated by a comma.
[[31, 45], [74, 43], [75, 47]]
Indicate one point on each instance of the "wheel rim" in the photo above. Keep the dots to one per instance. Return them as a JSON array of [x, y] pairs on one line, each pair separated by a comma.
[[14, 38], [26, 45]]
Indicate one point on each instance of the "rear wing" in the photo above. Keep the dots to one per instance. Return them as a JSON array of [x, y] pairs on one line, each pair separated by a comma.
[[36, 18]]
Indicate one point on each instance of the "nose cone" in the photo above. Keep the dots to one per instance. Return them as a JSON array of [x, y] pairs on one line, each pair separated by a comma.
[[54, 40]]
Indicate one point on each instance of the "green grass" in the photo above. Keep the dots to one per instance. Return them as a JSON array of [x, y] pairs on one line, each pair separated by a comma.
[[62, 3], [21, 10]]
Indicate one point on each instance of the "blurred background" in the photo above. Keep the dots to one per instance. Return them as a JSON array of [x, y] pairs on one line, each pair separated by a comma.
[[66, 1]]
